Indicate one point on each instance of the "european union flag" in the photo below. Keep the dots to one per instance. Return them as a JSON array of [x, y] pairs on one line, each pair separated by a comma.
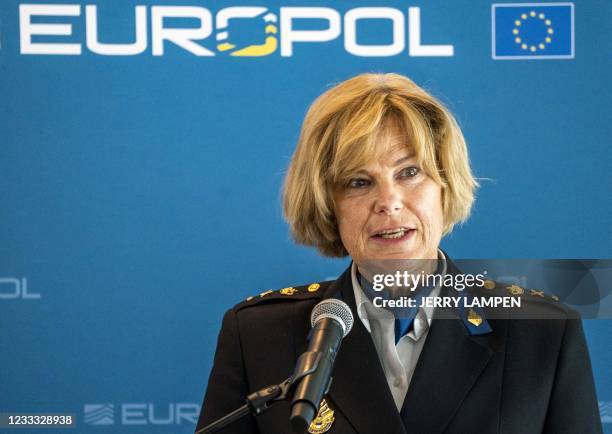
[[533, 30]]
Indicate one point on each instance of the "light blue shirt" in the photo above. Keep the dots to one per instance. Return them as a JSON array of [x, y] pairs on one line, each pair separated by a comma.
[[398, 361]]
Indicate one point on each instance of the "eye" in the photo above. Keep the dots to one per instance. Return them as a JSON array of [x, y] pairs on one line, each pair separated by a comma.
[[358, 183], [409, 172]]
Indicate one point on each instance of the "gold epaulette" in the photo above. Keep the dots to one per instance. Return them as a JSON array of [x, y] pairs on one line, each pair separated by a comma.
[[313, 290], [517, 290]]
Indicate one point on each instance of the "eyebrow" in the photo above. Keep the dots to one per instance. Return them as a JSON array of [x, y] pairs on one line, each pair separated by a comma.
[[404, 159], [397, 163]]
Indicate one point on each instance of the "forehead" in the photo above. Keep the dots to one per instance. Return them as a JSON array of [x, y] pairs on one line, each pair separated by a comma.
[[388, 146], [394, 157], [363, 142], [391, 142]]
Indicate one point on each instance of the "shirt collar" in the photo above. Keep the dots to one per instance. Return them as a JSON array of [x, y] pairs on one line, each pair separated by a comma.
[[364, 305]]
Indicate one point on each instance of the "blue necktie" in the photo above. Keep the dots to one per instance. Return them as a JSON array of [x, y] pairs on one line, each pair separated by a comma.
[[404, 316]]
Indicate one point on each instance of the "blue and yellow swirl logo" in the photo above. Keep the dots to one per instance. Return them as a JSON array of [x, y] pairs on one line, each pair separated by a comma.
[[269, 32]]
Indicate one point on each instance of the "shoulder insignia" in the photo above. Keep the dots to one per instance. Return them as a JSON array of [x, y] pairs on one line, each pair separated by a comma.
[[537, 293], [313, 287], [516, 290], [288, 291], [263, 294], [489, 284], [535, 303]]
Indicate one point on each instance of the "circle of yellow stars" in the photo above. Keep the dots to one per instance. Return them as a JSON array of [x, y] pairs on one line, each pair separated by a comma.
[[517, 33]]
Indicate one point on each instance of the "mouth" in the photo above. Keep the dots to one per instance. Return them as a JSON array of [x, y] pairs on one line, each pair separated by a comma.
[[393, 234]]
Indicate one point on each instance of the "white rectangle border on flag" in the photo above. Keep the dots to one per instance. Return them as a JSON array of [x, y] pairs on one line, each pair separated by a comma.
[[534, 57]]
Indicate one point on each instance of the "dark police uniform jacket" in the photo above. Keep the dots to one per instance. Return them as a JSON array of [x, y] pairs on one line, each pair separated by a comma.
[[525, 376]]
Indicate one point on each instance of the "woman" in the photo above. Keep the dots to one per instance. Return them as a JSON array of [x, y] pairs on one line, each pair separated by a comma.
[[381, 172]]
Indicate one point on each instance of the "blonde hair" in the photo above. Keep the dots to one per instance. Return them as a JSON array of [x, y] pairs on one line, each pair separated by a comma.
[[339, 136]]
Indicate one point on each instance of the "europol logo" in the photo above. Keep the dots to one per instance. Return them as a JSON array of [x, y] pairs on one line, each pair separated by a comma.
[[242, 31], [99, 414], [532, 30]]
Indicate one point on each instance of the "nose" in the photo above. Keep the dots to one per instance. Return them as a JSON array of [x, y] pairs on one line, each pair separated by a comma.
[[388, 199]]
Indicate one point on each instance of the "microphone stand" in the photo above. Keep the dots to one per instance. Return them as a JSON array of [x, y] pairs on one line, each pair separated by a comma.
[[263, 399]]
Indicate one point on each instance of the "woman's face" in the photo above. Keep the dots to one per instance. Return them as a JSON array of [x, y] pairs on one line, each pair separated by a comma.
[[390, 209]]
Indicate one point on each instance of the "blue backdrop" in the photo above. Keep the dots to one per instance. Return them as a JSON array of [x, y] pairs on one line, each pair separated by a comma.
[[141, 191]]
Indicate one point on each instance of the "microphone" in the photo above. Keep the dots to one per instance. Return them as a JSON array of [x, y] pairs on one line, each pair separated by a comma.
[[331, 321]]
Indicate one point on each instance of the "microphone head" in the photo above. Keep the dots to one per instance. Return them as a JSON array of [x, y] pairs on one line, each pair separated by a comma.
[[336, 310]]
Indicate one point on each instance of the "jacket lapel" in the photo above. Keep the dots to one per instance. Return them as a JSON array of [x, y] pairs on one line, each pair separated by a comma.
[[359, 387], [448, 367]]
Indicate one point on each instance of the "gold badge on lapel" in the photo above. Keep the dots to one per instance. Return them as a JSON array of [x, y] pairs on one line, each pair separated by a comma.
[[473, 318], [323, 421]]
